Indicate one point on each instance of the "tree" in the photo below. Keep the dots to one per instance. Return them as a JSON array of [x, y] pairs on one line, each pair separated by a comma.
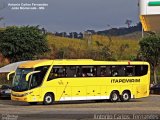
[[149, 48], [22, 43], [128, 22]]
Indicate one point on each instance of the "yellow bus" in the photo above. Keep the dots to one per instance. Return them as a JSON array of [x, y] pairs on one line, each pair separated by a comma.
[[48, 81]]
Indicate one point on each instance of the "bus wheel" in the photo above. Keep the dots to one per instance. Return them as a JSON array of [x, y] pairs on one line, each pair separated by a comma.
[[114, 97], [33, 103], [126, 96], [48, 99]]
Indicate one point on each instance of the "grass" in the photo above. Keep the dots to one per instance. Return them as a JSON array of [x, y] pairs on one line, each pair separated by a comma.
[[117, 42], [97, 42]]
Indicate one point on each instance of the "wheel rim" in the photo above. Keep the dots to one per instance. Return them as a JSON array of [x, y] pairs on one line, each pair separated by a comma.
[[48, 99], [114, 97], [125, 96]]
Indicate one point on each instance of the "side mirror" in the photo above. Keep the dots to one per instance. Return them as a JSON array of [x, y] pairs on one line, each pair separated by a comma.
[[9, 74], [29, 74]]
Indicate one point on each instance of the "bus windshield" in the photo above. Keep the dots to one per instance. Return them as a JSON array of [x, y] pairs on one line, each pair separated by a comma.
[[19, 81]]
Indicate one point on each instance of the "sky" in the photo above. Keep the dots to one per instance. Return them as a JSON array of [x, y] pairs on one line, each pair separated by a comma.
[[72, 15]]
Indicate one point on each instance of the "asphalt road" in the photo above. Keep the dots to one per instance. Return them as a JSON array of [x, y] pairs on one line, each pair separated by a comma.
[[144, 108]]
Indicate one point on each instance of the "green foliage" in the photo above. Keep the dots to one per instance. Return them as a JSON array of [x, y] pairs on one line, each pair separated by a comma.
[[122, 49], [98, 43], [22, 43], [106, 53], [149, 49], [101, 48], [132, 58]]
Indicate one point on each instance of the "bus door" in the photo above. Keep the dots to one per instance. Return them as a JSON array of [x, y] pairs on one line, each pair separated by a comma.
[[36, 81]]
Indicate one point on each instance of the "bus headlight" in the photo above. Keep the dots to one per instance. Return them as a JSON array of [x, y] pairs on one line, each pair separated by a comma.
[[21, 95], [25, 94]]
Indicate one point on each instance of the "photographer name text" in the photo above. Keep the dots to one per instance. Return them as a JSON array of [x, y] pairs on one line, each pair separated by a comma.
[[27, 6]]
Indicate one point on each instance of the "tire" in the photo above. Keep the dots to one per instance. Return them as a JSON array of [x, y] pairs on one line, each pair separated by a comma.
[[114, 97], [126, 96], [33, 103], [48, 99]]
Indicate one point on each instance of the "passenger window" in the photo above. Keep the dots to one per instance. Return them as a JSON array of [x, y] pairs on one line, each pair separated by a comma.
[[118, 71], [105, 71], [52, 75], [88, 71], [71, 71], [141, 70], [78, 71], [130, 70], [57, 72]]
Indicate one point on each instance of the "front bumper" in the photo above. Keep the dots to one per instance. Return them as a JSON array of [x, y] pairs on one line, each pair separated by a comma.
[[23, 99]]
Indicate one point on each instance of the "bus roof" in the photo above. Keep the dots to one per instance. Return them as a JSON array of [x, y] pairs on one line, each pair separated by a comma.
[[37, 63]]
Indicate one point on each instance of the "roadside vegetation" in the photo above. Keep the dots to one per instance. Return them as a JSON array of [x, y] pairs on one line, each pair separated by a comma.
[[150, 51], [22, 43], [96, 47]]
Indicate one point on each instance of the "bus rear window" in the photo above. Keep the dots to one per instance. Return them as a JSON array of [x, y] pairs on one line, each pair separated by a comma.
[[141, 70]]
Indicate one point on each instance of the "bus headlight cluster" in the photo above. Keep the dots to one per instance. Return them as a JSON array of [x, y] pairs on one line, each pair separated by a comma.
[[25, 94], [21, 95]]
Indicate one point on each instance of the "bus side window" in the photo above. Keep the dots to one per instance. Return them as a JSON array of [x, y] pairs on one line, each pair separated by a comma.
[[52, 75], [118, 70], [105, 71], [141, 70], [57, 72], [98, 71], [71, 71], [40, 76], [78, 71], [114, 71], [35, 80], [144, 70], [61, 72], [88, 71], [130, 70]]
